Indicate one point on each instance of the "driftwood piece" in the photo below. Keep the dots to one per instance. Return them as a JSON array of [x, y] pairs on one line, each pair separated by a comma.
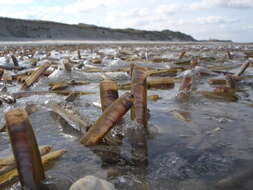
[[64, 84], [182, 115], [5, 67], [84, 122], [154, 97], [25, 149], [72, 82], [12, 176], [165, 72], [35, 75], [71, 97], [15, 61], [163, 83], [108, 93], [182, 54], [108, 119], [230, 81], [219, 95], [8, 163], [216, 81], [139, 91], [93, 70], [10, 160], [159, 83], [68, 92], [24, 94], [243, 69]]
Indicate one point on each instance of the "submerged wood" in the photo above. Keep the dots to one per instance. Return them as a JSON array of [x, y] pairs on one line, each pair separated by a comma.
[[159, 83], [12, 175], [235, 182], [225, 89], [58, 87], [154, 97], [25, 149], [243, 69], [93, 70], [72, 97], [72, 82], [139, 91], [68, 92], [15, 61], [230, 81], [10, 160], [35, 75], [64, 84], [216, 81], [67, 65], [182, 115], [5, 67], [108, 93], [108, 119], [219, 95], [84, 122], [24, 94], [9, 163], [137, 138], [165, 72]]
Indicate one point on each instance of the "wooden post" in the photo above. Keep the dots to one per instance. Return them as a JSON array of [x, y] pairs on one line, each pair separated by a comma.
[[25, 149], [108, 93], [243, 68], [108, 119], [139, 91], [1, 73], [15, 61]]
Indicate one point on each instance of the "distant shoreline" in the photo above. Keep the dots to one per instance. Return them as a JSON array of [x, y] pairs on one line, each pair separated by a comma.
[[109, 42]]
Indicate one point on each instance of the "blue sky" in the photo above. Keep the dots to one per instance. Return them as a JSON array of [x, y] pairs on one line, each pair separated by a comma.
[[203, 19]]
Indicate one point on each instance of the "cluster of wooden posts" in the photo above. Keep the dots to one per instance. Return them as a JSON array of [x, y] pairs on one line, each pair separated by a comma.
[[26, 151]]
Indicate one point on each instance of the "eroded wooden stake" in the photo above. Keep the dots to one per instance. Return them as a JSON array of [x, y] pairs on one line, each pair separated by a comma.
[[243, 68], [139, 91], [15, 61], [1, 73], [108, 119], [25, 149], [108, 93]]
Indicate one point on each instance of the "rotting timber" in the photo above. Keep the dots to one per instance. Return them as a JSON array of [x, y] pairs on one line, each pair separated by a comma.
[[196, 141]]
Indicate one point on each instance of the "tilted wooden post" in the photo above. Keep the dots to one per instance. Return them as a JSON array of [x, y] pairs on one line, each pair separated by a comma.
[[15, 61], [139, 91], [108, 119], [25, 149], [108, 93], [1, 73]]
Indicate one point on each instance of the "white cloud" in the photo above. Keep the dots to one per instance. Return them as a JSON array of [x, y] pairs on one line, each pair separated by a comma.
[[14, 2], [85, 5], [205, 4], [168, 9]]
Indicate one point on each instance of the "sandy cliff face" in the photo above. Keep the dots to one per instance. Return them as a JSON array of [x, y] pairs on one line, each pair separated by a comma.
[[17, 29]]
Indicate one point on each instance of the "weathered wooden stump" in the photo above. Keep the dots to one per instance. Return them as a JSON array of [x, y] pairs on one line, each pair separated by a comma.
[[25, 149]]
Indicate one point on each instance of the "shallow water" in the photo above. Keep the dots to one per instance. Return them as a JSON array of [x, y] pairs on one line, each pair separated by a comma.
[[216, 143]]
